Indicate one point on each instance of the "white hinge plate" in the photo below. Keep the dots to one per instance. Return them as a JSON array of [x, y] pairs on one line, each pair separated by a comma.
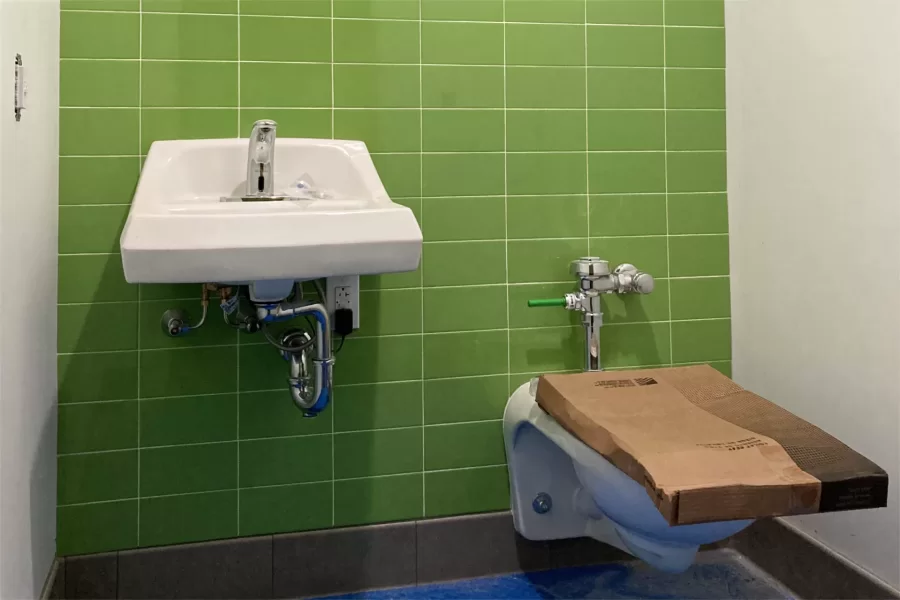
[[19, 102]]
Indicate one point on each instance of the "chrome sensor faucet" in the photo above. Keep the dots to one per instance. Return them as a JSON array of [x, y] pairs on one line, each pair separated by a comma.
[[261, 160]]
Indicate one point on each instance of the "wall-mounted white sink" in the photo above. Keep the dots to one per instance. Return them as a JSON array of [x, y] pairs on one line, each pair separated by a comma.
[[180, 230]]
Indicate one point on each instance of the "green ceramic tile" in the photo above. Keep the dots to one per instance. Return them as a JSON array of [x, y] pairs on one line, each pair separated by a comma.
[[93, 278], [462, 174], [189, 37], [364, 360], [695, 47], [697, 172], [466, 399], [462, 309], [543, 260], [188, 371], [695, 130], [722, 366], [647, 253], [466, 491], [301, 86], [695, 12], [394, 42], [186, 469], [97, 180], [97, 426], [378, 406], [104, 223], [546, 216], [695, 88], [698, 213], [627, 130], [99, 35], [691, 256], [634, 345], [377, 9], [400, 175], [541, 350], [617, 46], [99, 83], [617, 173], [462, 43], [461, 87], [545, 11], [546, 174], [464, 445], [98, 131], [369, 453], [96, 527], [454, 10], [539, 44], [274, 510], [190, 6], [626, 88], [699, 341], [97, 327], [170, 291], [521, 315], [281, 36], [471, 263], [455, 218], [261, 366], [628, 215], [637, 308], [106, 5], [543, 130], [625, 12], [97, 477], [376, 86], [285, 460], [292, 8], [381, 130], [95, 377], [188, 518], [707, 298], [390, 312], [378, 500], [192, 420], [314, 123], [273, 414], [465, 354], [451, 130], [544, 87], [187, 124]]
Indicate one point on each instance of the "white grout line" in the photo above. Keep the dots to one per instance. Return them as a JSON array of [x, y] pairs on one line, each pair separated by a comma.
[[138, 357], [506, 202], [421, 267], [333, 135], [666, 170]]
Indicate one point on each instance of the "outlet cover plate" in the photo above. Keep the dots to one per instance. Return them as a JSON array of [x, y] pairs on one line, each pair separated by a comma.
[[343, 292]]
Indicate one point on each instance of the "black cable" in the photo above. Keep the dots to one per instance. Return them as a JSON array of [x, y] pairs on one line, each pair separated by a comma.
[[341, 345]]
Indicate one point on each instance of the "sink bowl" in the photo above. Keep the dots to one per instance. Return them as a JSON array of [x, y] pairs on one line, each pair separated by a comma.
[[188, 225]]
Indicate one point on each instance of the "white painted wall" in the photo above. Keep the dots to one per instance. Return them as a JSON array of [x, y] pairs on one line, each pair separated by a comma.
[[28, 217], [814, 181]]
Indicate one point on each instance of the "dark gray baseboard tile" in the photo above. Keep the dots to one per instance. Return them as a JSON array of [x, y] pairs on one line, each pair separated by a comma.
[[91, 577], [344, 560], [808, 570]]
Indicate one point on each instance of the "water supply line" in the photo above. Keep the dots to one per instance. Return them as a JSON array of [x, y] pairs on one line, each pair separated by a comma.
[[594, 279]]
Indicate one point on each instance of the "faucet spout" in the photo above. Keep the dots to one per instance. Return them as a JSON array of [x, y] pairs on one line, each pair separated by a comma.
[[261, 160]]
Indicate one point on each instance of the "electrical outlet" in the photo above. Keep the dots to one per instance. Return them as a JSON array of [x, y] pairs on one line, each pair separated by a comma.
[[343, 292]]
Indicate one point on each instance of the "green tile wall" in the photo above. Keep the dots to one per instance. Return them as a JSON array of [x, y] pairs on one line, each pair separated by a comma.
[[523, 133]]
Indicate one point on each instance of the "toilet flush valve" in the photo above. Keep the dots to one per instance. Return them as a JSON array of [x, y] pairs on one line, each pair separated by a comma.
[[594, 279]]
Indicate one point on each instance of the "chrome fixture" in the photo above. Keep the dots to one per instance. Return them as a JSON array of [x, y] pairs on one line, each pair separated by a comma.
[[594, 279], [261, 161]]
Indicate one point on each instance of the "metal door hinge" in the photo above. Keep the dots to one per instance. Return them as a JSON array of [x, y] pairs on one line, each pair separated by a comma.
[[19, 102]]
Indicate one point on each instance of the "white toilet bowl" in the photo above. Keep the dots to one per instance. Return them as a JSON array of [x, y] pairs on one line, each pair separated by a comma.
[[561, 488]]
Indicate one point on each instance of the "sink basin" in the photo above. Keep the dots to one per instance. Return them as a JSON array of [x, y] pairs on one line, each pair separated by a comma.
[[336, 219]]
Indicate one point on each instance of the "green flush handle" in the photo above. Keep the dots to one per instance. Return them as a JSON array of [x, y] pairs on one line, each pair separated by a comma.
[[547, 302]]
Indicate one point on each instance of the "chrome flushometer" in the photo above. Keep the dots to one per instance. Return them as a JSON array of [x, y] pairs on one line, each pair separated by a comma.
[[594, 279]]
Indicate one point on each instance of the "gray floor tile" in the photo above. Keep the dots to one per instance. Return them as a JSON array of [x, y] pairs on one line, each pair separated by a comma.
[[473, 546], [91, 577], [344, 560], [239, 568]]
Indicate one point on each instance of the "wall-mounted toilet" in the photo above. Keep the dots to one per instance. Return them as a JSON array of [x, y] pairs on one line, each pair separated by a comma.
[[561, 488]]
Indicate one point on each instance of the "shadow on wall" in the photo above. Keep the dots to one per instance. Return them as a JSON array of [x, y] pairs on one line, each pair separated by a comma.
[[39, 503]]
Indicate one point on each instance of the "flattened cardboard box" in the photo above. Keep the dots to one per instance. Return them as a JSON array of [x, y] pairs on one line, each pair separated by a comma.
[[706, 449]]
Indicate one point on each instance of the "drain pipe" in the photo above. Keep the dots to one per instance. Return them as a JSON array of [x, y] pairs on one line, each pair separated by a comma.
[[311, 399], [594, 279]]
